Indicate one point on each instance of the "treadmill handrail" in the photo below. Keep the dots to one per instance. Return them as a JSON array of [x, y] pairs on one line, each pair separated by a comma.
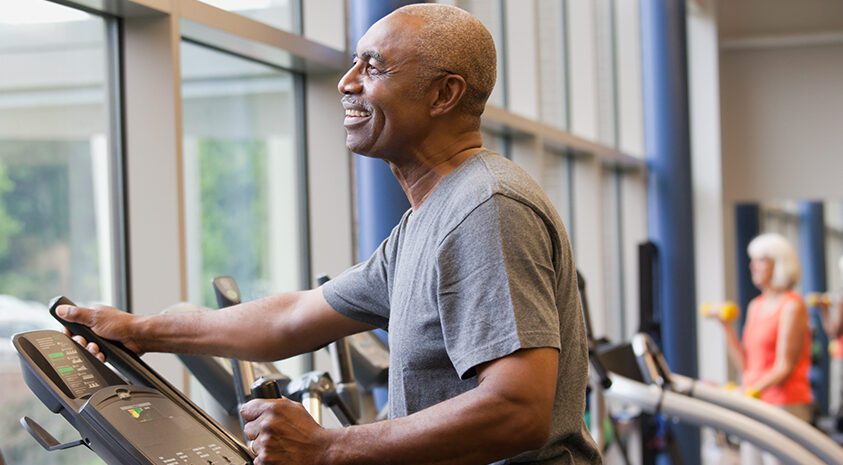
[[801, 432], [655, 400]]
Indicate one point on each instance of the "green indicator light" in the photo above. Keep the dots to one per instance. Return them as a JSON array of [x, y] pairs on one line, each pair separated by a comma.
[[56, 355], [66, 370]]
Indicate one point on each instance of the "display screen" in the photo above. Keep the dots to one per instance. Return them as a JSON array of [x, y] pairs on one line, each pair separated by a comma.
[[142, 413], [64, 356]]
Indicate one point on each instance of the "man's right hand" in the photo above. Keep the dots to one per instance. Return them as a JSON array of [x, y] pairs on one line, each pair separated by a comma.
[[106, 322]]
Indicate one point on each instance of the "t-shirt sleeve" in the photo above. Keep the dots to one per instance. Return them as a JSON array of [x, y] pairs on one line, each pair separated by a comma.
[[497, 285], [362, 291]]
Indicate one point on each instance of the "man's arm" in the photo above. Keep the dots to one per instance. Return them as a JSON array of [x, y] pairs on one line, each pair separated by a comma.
[[271, 328], [509, 412]]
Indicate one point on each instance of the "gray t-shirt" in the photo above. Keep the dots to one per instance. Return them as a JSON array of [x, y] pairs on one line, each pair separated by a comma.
[[482, 269]]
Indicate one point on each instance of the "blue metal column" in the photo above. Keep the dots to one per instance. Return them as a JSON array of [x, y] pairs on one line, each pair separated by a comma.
[[812, 255], [747, 226], [667, 138]]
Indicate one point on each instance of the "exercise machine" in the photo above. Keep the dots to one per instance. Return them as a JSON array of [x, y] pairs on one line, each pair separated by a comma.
[[627, 385], [140, 420], [656, 371], [359, 357]]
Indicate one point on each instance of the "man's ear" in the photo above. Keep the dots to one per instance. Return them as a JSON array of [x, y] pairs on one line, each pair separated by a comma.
[[448, 93]]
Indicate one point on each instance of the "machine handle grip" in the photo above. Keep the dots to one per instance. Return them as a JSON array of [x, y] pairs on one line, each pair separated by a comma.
[[107, 346], [226, 291]]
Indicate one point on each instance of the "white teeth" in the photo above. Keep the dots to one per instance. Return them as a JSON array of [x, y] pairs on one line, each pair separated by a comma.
[[357, 113]]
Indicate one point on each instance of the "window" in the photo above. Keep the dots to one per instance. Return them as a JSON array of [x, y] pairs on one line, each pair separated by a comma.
[[613, 256], [558, 183], [553, 63], [283, 14], [490, 12], [607, 75], [243, 189], [58, 192]]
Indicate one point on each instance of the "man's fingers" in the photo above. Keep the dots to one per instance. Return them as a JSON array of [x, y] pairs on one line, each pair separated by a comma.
[[254, 408], [101, 357], [74, 314], [252, 430], [80, 340]]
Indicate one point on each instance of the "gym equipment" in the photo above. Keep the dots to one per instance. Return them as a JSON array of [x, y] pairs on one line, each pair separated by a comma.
[[629, 377], [726, 311], [346, 387], [818, 299], [143, 421], [228, 294], [656, 371], [655, 400], [313, 389]]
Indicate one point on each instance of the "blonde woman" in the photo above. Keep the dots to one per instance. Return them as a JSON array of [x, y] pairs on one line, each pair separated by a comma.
[[774, 354]]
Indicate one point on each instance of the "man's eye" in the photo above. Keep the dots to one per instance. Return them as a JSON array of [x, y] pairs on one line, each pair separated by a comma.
[[371, 69]]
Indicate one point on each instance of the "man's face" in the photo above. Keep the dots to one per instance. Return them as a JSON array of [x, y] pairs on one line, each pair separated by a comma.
[[384, 114]]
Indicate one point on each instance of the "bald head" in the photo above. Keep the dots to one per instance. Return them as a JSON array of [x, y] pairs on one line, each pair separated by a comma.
[[450, 39]]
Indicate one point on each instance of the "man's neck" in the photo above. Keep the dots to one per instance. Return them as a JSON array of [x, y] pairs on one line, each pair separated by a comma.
[[420, 174]]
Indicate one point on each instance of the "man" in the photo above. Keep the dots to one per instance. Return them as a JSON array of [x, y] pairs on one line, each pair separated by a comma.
[[476, 284]]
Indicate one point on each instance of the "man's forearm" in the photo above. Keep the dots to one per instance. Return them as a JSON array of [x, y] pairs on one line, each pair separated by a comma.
[[477, 427], [256, 330]]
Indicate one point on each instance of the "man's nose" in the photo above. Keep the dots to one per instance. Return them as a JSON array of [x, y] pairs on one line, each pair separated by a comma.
[[350, 82]]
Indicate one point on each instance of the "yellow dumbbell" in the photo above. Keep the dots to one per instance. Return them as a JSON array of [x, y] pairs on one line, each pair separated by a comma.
[[816, 299], [726, 311]]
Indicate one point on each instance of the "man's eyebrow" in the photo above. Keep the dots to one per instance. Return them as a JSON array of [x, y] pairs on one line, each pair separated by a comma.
[[371, 54]]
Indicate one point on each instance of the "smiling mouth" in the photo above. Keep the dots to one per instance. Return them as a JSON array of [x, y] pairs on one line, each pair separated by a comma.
[[356, 113]]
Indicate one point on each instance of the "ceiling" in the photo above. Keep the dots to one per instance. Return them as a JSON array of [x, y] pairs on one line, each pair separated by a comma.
[[754, 18]]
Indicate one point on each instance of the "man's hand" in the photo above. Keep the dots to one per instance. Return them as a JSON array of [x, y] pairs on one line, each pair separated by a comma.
[[282, 432], [107, 322]]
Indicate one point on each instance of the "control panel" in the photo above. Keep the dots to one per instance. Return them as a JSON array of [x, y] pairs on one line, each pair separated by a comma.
[[76, 372], [142, 421]]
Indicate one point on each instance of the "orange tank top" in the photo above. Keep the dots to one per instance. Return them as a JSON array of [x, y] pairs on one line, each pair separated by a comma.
[[837, 351], [760, 336]]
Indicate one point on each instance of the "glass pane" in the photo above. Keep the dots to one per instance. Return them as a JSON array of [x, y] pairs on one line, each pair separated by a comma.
[[490, 12], [241, 167], [283, 14], [494, 142], [56, 226], [606, 73], [616, 323], [552, 63], [557, 183]]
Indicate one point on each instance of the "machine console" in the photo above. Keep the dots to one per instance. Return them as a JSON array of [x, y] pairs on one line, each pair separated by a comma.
[[145, 422]]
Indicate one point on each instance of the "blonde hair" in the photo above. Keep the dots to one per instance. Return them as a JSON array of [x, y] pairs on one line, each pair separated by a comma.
[[772, 246]]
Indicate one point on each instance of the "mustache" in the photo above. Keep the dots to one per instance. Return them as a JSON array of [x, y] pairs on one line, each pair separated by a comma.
[[352, 101]]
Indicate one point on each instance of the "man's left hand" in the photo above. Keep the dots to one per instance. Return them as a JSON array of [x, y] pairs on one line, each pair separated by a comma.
[[282, 432]]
